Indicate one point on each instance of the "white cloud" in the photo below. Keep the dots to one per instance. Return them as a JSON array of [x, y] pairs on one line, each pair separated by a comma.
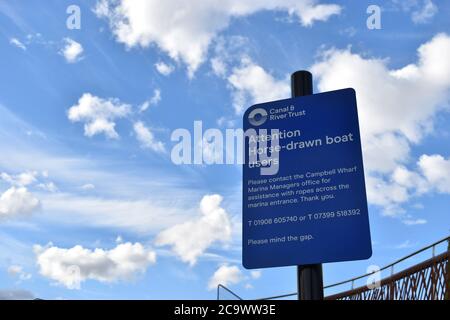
[[72, 50], [436, 170], [425, 13], [322, 12], [249, 82], [379, 89], [252, 84], [218, 66], [14, 270], [225, 275], [386, 194], [98, 114], [146, 138], [154, 100], [16, 42], [21, 180], [405, 245], [164, 68], [375, 145], [431, 174], [422, 11], [17, 201], [396, 110], [143, 203], [71, 267], [228, 51], [49, 186], [226, 122], [88, 186], [410, 180], [143, 107], [184, 30], [255, 274], [189, 240], [17, 271], [212, 150], [414, 222]]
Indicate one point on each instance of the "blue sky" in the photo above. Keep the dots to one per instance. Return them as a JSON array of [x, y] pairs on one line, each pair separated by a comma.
[[86, 172]]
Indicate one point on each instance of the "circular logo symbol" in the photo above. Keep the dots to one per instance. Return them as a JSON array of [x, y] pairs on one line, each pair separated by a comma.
[[257, 117]]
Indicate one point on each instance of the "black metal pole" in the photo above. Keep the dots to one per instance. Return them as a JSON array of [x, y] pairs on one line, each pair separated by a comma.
[[309, 277]]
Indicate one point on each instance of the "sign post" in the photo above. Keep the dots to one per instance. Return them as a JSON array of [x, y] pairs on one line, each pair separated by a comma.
[[309, 277], [304, 195]]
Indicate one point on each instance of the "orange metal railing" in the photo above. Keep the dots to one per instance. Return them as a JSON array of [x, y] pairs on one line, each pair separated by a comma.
[[428, 280]]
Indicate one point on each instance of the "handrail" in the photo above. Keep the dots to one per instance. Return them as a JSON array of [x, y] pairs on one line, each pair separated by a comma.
[[279, 297], [391, 264], [352, 280], [402, 274]]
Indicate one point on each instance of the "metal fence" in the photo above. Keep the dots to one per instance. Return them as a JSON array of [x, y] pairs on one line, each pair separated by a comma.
[[427, 280]]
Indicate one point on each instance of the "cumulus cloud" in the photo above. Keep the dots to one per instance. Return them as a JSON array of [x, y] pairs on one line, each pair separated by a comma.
[[387, 195], [71, 267], [98, 114], [184, 30], [72, 50], [252, 84], [191, 239], [146, 138], [436, 169], [396, 110], [411, 180], [164, 68], [17, 201], [225, 275], [422, 88]]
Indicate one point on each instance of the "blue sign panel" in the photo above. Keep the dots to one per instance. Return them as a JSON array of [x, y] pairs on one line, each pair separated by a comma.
[[304, 196]]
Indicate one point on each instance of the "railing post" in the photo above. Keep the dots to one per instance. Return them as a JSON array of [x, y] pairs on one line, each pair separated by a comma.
[[433, 280], [391, 290], [392, 286], [447, 273], [434, 275]]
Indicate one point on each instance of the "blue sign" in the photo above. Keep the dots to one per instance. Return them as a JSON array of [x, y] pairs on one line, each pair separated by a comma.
[[304, 195]]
